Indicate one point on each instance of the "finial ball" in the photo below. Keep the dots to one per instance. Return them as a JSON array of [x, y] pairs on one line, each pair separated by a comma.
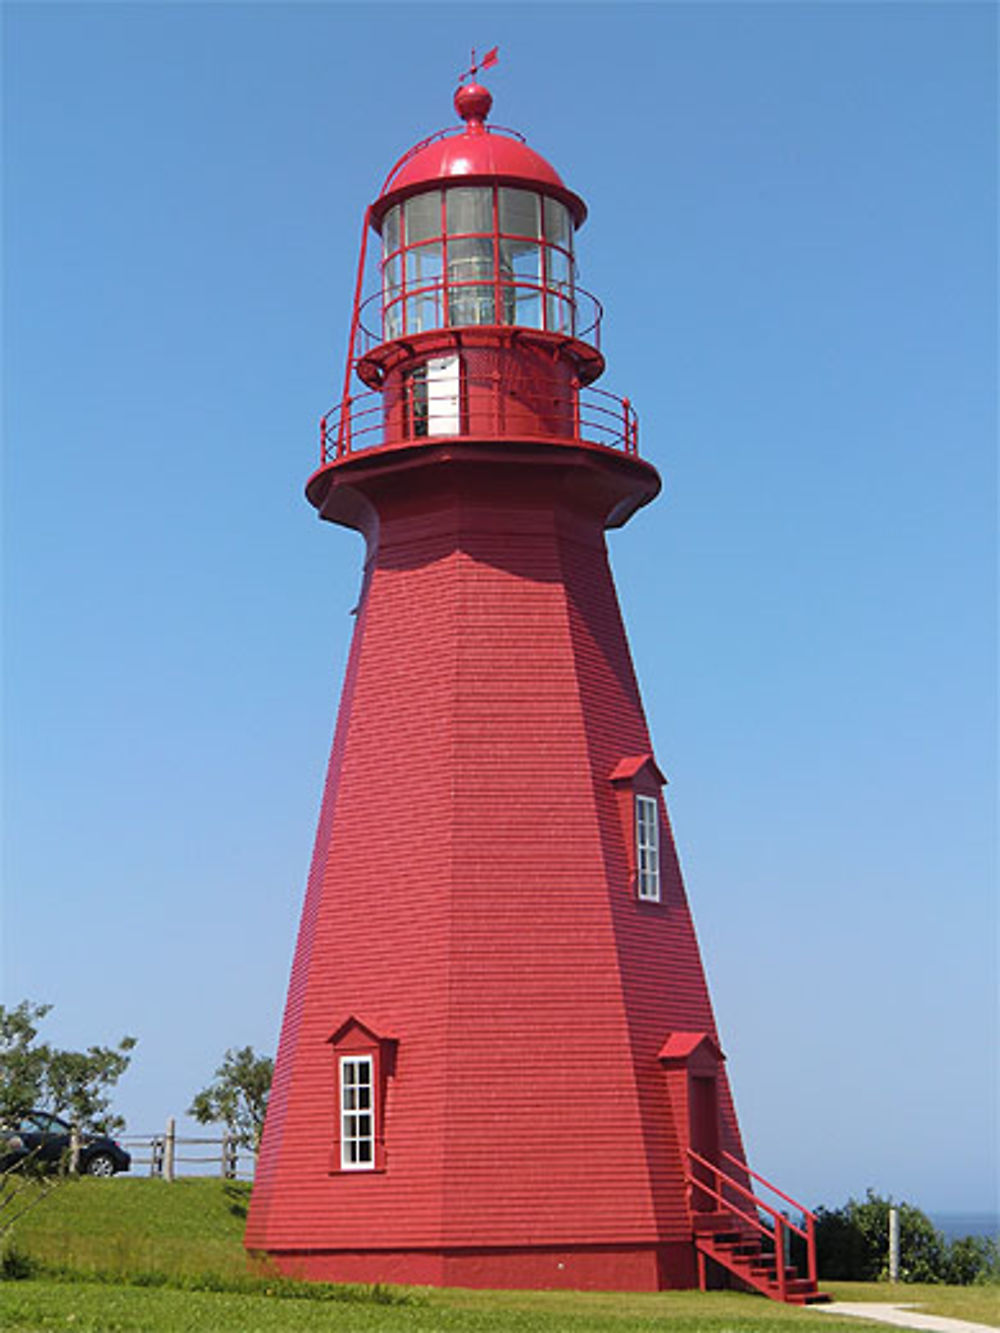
[[473, 102]]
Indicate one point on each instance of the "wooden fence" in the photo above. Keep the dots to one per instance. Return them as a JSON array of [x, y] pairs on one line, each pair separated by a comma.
[[169, 1155]]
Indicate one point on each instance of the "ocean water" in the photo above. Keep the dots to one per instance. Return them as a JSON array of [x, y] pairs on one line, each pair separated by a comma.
[[955, 1225]]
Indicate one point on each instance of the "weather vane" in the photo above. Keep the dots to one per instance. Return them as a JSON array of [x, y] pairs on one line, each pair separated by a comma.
[[488, 61]]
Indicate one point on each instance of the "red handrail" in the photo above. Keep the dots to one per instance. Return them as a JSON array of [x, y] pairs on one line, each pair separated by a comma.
[[781, 1222], [598, 418], [810, 1236]]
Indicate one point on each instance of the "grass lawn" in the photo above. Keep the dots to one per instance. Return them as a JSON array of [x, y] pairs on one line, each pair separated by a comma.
[[118, 1256]]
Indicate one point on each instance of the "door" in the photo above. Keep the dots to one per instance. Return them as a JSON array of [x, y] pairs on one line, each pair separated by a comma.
[[703, 1111]]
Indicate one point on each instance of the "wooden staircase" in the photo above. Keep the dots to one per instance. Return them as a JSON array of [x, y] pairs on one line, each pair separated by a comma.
[[747, 1236]]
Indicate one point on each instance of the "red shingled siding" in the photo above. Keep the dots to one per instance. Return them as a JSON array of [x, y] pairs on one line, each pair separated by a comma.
[[470, 898]]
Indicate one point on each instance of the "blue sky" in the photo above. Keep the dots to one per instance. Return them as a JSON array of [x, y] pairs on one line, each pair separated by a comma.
[[792, 229]]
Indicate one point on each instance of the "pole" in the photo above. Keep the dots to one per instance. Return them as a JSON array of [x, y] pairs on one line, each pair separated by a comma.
[[169, 1146], [74, 1150], [893, 1244]]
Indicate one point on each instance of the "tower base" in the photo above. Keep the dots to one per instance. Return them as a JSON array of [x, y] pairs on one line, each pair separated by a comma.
[[534, 1268]]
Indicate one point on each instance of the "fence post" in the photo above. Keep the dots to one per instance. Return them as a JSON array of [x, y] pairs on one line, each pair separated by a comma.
[[74, 1150], [169, 1147], [893, 1244], [156, 1156], [230, 1151]]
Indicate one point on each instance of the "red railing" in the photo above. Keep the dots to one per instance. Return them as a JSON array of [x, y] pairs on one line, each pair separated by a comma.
[[780, 1223], [584, 415], [569, 311]]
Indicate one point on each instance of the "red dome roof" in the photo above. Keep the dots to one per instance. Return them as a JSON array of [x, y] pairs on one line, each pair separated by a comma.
[[474, 154]]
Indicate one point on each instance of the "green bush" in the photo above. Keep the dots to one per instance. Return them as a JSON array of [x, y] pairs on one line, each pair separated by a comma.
[[852, 1245]]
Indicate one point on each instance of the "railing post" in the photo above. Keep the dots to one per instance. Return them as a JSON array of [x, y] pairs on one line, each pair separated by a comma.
[[575, 384], [344, 442], [626, 426], [811, 1247], [780, 1234], [322, 441], [169, 1149]]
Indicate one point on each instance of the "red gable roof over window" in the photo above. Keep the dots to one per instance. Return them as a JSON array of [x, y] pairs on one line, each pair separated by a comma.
[[629, 768], [680, 1046]]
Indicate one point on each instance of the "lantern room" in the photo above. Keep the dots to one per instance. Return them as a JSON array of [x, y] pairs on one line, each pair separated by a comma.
[[478, 326]]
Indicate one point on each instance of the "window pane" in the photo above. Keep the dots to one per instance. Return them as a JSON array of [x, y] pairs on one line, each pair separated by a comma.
[[423, 265], [469, 210], [423, 217], [470, 305], [423, 312], [390, 231], [470, 259], [557, 267], [528, 308], [559, 314], [558, 227], [520, 259], [394, 320], [391, 277], [519, 212]]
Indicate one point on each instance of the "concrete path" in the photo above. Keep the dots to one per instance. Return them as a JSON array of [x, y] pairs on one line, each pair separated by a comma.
[[903, 1316]]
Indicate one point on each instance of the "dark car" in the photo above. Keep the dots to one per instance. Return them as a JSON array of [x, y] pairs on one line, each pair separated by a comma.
[[45, 1139]]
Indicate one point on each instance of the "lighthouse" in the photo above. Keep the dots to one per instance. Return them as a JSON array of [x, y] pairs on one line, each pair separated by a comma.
[[498, 1063]]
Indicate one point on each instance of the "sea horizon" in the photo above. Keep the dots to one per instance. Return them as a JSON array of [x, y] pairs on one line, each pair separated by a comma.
[[954, 1225]]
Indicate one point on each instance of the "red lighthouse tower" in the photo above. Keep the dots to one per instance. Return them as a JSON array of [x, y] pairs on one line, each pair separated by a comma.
[[498, 1064]]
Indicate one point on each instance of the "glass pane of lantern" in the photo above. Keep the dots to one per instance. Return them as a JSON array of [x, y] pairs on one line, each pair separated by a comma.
[[423, 265], [469, 259], [558, 269], [470, 305], [559, 314], [529, 307], [423, 217], [519, 259], [394, 320], [469, 210], [518, 212], [423, 312], [558, 227], [390, 280], [390, 231]]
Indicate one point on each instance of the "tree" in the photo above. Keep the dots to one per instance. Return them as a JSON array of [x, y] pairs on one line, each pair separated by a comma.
[[73, 1084], [973, 1259], [852, 1244], [238, 1096]]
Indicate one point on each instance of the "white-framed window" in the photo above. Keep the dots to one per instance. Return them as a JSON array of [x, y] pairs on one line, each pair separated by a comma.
[[647, 848], [357, 1113]]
